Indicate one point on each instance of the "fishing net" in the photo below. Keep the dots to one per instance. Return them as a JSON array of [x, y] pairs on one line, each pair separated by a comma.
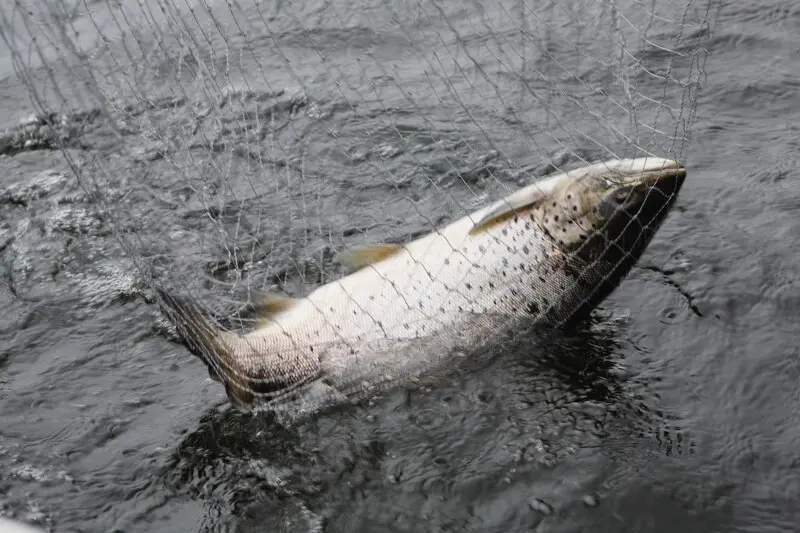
[[239, 145]]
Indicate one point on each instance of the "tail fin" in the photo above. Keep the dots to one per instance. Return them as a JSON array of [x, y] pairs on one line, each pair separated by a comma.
[[206, 340], [247, 368]]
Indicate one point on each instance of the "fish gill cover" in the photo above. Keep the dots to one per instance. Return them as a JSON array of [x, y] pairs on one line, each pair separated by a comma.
[[234, 148]]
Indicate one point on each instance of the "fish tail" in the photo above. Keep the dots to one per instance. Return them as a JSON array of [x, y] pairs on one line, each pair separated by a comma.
[[206, 340]]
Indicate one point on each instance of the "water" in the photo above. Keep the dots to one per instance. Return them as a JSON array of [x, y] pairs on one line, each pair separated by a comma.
[[674, 409]]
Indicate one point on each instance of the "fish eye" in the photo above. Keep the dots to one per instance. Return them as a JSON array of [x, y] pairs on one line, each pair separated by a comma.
[[621, 196]]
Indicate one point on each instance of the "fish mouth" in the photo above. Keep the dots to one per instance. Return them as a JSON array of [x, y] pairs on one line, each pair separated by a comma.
[[648, 195], [667, 180]]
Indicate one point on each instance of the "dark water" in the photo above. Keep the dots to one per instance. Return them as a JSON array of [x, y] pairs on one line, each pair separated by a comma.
[[674, 408]]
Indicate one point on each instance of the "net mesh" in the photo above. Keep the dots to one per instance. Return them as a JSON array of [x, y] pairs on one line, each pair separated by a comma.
[[237, 146]]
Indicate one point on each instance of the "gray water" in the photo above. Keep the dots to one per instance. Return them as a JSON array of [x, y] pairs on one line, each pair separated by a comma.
[[673, 408]]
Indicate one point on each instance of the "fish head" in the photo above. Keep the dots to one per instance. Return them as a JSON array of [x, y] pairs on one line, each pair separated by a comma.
[[611, 208], [602, 218]]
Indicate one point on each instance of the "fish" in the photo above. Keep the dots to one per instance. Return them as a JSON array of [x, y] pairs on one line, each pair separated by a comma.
[[545, 255]]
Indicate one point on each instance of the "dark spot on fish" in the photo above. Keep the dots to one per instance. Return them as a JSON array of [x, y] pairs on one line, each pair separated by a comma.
[[468, 286], [533, 308], [352, 351], [541, 278], [331, 309], [560, 242], [574, 207], [526, 249], [406, 326], [355, 312], [310, 348], [555, 218], [545, 302], [513, 292], [527, 225], [504, 273], [505, 261], [570, 222], [460, 308], [495, 301], [522, 266], [516, 218], [441, 309], [505, 231], [545, 220], [532, 217], [594, 226], [554, 204], [491, 285], [446, 261], [371, 297]]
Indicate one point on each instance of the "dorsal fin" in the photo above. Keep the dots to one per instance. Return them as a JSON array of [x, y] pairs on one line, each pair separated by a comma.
[[507, 208], [358, 258], [267, 305]]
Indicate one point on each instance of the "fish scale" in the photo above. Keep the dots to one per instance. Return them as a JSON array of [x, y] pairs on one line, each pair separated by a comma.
[[430, 279]]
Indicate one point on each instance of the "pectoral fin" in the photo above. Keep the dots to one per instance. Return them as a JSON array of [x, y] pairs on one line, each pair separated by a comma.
[[507, 208], [358, 258]]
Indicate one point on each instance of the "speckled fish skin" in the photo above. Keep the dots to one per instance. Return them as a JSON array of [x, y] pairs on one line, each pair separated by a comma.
[[548, 254]]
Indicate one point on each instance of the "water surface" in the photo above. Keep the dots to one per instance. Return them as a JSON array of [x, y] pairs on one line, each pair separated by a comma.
[[674, 408]]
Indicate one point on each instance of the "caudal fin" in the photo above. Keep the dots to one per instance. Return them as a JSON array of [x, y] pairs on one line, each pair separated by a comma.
[[247, 373], [206, 340]]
